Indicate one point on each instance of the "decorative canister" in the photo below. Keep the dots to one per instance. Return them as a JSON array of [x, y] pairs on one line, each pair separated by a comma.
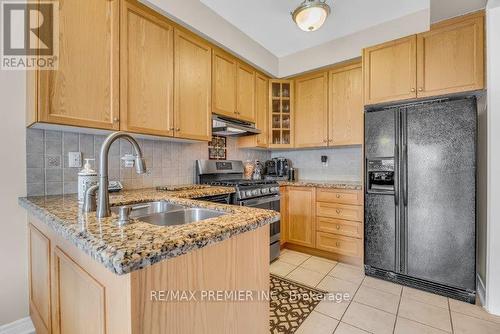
[[86, 178]]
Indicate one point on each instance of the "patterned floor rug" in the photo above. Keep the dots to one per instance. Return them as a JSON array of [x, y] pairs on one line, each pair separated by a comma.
[[291, 303]]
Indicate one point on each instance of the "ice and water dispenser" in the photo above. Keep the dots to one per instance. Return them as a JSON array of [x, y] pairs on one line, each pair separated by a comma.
[[380, 175]]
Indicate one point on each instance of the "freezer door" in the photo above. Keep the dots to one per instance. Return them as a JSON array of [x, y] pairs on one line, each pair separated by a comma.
[[440, 155], [380, 231], [380, 133]]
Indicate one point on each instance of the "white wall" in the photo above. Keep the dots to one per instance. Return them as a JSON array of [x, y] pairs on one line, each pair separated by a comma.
[[203, 20], [13, 231], [493, 233], [351, 46]]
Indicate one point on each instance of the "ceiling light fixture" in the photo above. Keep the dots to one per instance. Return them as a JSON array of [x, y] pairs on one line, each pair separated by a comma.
[[311, 14]]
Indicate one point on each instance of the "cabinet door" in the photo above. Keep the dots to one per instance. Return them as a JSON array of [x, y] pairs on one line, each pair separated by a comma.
[[301, 215], [39, 280], [311, 110], [245, 97], [146, 72], [390, 71], [346, 106], [261, 108], [84, 90], [79, 301], [193, 87], [223, 84], [451, 57]]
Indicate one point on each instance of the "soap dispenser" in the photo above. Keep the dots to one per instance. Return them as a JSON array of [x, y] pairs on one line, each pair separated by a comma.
[[86, 177]]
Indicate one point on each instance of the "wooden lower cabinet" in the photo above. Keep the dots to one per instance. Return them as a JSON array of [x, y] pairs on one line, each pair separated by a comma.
[[301, 215], [71, 293], [39, 280], [334, 227]]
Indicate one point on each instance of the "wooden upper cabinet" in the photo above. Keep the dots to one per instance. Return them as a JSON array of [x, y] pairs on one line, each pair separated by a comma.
[[390, 71], [311, 110], [261, 115], [84, 90], [245, 93], [301, 218], [146, 72], [450, 57], [224, 69], [261, 109], [192, 87], [346, 106]]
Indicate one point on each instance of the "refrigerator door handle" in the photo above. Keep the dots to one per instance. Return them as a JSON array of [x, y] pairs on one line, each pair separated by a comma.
[[396, 183], [405, 175]]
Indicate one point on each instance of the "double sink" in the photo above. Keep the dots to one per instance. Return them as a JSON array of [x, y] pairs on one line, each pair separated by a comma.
[[163, 213]]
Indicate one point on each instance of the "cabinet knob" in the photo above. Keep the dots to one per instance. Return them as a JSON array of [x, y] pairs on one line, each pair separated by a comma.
[[413, 89], [325, 141], [338, 227], [338, 211], [420, 89], [116, 119], [172, 129], [337, 244], [338, 196], [178, 129]]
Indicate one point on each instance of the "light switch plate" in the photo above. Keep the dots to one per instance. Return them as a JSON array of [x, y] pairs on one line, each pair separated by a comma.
[[75, 159]]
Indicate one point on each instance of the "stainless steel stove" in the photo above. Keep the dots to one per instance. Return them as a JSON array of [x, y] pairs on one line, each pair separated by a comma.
[[264, 194]]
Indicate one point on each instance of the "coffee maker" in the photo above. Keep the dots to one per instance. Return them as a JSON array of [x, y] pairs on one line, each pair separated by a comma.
[[277, 168]]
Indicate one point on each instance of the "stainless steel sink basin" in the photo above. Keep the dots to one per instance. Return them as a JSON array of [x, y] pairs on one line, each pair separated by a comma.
[[184, 216], [167, 214]]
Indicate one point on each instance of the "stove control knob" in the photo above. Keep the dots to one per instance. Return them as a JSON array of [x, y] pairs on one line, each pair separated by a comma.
[[275, 189], [256, 192], [266, 190], [248, 193]]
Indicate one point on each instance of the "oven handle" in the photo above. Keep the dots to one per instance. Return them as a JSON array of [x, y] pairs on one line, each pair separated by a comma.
[[261, 200]]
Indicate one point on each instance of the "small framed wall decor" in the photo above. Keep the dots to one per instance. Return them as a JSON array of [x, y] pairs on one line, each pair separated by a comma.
[[217, 149]]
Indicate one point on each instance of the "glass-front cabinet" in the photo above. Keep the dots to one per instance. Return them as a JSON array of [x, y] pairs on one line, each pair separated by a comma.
[[281, 107]]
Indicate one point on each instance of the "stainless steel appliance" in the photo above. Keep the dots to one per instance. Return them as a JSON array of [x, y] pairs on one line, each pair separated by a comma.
[[262, 194], [225, 126], [420, 196], [277, 168]]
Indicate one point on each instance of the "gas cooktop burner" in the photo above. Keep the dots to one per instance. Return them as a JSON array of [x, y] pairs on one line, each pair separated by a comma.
[[242, 182]]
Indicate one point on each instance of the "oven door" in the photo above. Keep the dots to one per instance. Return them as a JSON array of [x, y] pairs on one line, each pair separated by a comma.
[[269, 203]]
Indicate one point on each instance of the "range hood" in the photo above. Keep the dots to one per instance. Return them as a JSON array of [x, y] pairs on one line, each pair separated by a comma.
[[224, 126]]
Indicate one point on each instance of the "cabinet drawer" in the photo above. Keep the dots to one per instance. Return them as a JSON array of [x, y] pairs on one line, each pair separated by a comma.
[[340, 211], [339, 244], [339, 196], [339, 226]]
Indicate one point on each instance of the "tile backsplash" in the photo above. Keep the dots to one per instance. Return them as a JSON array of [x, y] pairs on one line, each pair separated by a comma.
[[168, 162], [344, 163]]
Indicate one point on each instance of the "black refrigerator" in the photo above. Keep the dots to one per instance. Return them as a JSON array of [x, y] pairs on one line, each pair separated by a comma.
[[420, 195]]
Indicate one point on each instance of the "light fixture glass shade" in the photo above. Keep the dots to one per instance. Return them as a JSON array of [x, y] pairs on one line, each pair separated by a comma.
[[311, 14]]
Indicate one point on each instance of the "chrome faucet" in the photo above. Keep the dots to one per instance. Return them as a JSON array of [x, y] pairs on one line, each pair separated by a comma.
[[103, 197]]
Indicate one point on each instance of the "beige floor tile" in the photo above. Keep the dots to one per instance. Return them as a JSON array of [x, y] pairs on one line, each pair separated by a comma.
[[369, 318], [305, 276], [406, 326], [317, 323], [281, 268], [464, 324], [332, 307], [324, 259], [379, 284], [344, 328], [472, 310], [425, 297], [348, 273], [318, 265], [382, 300], [293, 257], [427, 314], [333, 284]]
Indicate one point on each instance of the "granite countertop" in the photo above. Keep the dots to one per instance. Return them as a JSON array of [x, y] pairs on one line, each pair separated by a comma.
[[139, 244], [333, 184]]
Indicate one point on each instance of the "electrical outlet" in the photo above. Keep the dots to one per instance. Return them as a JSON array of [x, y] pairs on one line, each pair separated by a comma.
[[75, 159]]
